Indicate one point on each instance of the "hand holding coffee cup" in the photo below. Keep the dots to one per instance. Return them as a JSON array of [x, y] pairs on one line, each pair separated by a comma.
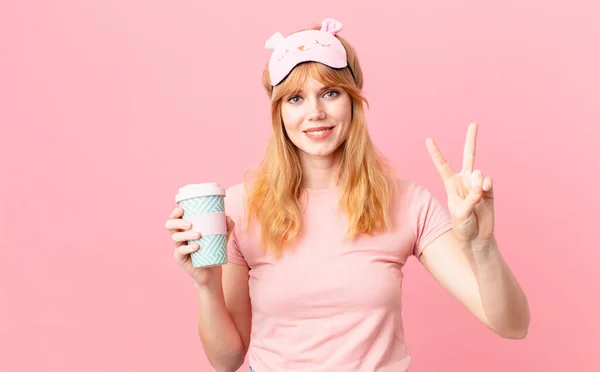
[[200, 229]]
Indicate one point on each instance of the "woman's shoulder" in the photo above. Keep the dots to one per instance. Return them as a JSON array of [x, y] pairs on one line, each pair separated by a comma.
[[406, 187], [412, 192], [236, 197], [235, 194], [235, 191]]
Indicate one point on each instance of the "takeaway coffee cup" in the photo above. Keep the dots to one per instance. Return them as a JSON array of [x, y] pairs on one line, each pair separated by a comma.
[[203, 206]]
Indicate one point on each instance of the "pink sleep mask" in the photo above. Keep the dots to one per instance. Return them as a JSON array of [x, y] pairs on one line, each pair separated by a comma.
[[311, 45]]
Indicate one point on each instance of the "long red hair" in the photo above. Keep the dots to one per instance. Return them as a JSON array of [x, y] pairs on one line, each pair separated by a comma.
[[365, 179]]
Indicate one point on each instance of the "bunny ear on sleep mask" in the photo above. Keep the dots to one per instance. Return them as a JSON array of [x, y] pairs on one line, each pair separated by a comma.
[[311, 45]]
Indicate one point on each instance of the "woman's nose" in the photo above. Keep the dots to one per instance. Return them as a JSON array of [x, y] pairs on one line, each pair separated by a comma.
[[316, 111]]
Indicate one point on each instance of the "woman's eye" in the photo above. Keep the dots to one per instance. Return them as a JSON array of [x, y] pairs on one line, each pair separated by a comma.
[[295, 99], [331, 94]]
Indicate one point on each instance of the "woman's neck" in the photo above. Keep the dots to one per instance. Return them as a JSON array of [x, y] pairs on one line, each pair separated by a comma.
[[319, 172]]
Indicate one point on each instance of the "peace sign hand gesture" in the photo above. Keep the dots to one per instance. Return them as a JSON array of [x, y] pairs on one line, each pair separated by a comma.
[[470, 195]]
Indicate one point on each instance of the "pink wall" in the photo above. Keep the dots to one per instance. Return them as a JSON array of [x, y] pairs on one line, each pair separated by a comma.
[[107, 107]]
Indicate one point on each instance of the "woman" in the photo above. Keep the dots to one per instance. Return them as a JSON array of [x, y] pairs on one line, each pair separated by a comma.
[[319, 234]]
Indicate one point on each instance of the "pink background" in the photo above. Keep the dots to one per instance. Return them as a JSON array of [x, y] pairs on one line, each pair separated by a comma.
[[107, 107]]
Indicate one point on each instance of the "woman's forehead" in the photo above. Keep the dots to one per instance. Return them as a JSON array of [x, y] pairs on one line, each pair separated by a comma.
[[308, 77], [307, 83], [310, 83]]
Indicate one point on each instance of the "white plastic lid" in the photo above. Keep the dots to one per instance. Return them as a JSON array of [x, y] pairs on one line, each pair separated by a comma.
[[199, 189]]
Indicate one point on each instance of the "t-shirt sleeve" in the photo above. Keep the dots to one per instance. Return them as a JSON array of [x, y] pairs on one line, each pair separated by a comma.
[[429, 216], [234, 254], [234, 207]]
